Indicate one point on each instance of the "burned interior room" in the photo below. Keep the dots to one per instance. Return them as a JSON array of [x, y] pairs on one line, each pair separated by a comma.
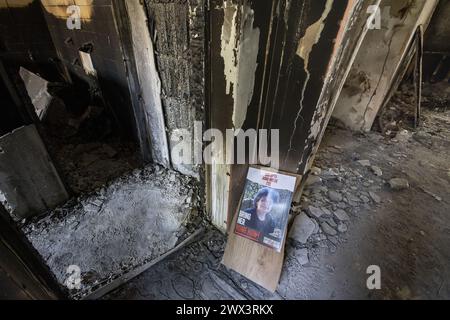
[[224, 149]]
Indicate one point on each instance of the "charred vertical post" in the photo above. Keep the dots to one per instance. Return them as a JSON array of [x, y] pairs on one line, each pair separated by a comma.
[[302, 53]]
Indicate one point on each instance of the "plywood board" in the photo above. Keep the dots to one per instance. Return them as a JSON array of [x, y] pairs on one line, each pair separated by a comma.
[[260, 264], [256, 262]]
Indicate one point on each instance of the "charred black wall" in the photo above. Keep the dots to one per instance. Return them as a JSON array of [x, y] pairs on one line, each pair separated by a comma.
[[25, 39], [437, 45], [11, 117], [99, 29], [437, 37], [301, 52]]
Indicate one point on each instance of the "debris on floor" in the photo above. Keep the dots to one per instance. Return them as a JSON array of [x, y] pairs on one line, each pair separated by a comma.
[[371, 199], [78, 132], [436, 96], [193, 273], [88, 166], [136, 219]]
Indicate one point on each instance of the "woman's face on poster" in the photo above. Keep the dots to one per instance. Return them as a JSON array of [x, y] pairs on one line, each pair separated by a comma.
[[265, 205]]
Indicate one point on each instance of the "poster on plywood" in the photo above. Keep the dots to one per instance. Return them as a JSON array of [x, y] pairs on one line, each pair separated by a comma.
[[255, 246], [264, 210]]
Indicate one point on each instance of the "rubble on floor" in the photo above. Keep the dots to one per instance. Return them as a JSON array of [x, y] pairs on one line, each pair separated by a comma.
[[338, 195], [349, 219], [116, 229], [88, 166], [436, 96], [90, 156], [193, 273], [330, 203], [399, 113], [83, 138]]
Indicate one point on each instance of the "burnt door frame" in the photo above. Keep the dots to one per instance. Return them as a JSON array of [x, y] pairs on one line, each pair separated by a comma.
[[20, 262]]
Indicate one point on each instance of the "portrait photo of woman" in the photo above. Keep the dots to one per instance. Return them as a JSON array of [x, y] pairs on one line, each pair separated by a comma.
[[265, 206], [261, 217]]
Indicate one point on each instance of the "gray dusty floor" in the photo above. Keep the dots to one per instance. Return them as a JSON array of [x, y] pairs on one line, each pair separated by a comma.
[[406, 233], [118, 228]]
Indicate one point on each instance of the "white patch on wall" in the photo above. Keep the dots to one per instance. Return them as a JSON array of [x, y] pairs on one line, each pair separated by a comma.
[[86, 62], [312, 35], [239, 50]]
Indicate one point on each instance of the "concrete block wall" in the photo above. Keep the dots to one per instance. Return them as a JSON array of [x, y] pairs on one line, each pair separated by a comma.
[[178, 28]]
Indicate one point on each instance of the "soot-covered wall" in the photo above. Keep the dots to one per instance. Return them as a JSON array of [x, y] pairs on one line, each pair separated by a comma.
[[99, 29], [177, 28], [24, 37]]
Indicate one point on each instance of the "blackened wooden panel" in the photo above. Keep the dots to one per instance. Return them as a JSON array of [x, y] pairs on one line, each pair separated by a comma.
[[29, 182], [298, 84], [305, 51]]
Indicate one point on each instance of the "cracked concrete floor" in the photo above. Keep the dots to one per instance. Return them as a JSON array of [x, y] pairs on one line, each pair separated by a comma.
[[406, 233]]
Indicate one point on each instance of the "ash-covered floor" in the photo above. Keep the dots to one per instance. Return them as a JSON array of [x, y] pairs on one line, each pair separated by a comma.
[[375, 199], [116, 229]]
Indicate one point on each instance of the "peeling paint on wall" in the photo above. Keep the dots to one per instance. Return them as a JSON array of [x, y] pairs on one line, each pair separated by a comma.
[[248, 54], [240, 52], [312, 35], [229, 44], [296, 73], [305, 46], [220, 185], [324, 109]]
